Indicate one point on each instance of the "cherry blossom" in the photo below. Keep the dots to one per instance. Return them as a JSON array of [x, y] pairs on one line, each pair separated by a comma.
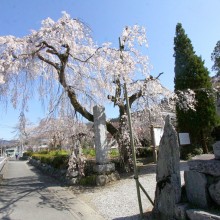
[[62, 62]]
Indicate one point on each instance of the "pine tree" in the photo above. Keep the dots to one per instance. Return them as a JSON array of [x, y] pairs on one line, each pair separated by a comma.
[[190, 73]]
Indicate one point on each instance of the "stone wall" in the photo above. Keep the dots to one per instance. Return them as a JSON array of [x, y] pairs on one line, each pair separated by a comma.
[[201, 192], [202, 184], [199, 198]]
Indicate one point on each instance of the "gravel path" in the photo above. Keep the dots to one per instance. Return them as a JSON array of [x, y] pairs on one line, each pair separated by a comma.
[[118, 200]]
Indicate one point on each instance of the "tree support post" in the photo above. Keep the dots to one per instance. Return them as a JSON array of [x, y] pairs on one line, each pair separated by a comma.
[[133, 152], [153, 142], [138, 184]]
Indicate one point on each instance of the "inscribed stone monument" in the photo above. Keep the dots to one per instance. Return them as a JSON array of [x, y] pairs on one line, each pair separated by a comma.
[[101, 144], [102, 160]]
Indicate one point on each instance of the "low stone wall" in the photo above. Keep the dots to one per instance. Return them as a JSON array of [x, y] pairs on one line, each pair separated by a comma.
[[92, 177], [202, 187], [203, 182], [49, 170]]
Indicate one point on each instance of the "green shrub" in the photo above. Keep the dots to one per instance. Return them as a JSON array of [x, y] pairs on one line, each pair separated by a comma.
[[189, 151], [88, 180], [43, 152], [197, 151], [144, 152], [89, 152], [60, 161], [58, 153], [114, 153], [57, 159], [27, 154]]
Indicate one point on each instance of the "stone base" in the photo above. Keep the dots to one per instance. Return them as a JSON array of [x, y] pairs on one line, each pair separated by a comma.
[[105, 173], [104, 168], [72, 181], [102, 180], [97, 179]]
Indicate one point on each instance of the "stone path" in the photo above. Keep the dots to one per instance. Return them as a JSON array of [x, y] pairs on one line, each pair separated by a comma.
[[25, 194]]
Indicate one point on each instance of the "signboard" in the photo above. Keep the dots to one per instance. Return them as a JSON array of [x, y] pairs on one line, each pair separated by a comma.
[[184, 138], [158, 133]]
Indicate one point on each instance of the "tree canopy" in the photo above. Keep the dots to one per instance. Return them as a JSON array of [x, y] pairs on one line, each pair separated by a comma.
[[63, 64], [190, 73], [216, 58], [61, 60]]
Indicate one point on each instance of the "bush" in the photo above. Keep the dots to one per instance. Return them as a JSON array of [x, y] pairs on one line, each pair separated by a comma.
[[189, 151], [89, 152], [27, 154], [114, 153], [60, 162], [88, 180], [57, 159], [144, 152], [43, 152], [197, 151]]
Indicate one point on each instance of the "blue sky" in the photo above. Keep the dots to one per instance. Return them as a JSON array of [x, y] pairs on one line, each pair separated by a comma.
[[200, 19]]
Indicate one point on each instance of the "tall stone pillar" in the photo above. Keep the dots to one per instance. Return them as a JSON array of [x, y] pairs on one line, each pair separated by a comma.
[[101, 144], [103, 167]]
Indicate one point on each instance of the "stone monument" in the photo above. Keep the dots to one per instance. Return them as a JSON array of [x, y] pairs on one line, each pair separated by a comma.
[[168, 188], [103, 167]]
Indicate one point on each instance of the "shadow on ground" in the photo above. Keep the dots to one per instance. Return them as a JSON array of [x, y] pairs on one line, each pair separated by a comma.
[[17, 192]]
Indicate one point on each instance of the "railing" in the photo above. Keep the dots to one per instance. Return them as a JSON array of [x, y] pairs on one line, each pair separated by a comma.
[[3, 161]]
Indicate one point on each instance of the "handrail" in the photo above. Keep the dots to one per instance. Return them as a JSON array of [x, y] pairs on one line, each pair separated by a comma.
[[2, 163]]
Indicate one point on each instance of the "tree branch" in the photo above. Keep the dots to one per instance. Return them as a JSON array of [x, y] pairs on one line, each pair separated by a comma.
[[55, 65], [77, 106], [134, 97], [138, 94], [84, 61], [70, 92]]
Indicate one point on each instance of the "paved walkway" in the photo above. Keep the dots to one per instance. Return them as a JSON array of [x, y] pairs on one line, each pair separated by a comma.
[[25, 194]]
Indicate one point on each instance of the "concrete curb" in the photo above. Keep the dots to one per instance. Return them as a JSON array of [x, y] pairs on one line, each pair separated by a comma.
[[2, 167]]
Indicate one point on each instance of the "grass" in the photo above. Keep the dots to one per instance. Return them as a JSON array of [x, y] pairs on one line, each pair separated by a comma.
[[90, 153]]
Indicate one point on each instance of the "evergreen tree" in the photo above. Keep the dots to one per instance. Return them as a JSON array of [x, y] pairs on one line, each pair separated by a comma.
[[190, 73], [216, 58]]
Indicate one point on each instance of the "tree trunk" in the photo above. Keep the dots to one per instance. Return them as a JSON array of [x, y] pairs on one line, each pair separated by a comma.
[[123, 139], [204, 143]]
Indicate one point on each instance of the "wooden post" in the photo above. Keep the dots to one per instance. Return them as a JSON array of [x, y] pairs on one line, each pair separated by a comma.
[[153, 143]]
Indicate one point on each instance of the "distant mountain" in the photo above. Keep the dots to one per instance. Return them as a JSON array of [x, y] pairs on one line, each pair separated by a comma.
[[9, 143]]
